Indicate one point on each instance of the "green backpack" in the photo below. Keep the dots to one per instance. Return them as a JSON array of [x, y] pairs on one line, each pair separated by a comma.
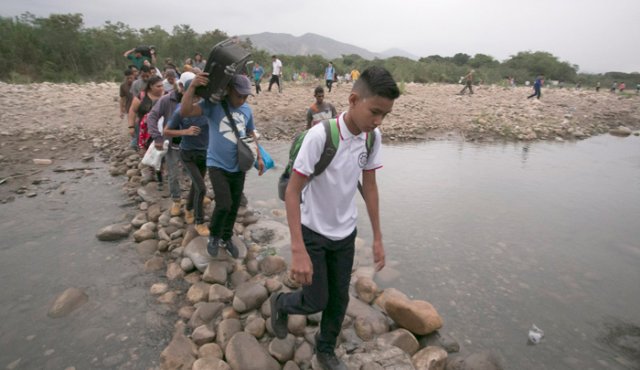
[[329, 151]]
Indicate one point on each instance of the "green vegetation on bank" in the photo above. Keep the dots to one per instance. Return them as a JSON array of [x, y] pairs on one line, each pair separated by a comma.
[[60, 49]]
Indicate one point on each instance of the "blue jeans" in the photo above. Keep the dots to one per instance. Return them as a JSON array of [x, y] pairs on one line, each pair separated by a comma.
[[195, 162], [134, 139], [329, 290], [173, 167]]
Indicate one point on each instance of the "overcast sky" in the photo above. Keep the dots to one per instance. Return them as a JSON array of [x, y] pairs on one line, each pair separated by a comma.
[[597, 35]]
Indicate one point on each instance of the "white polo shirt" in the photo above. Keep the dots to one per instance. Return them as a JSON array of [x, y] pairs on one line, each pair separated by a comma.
[[277, 67], [328, 206]]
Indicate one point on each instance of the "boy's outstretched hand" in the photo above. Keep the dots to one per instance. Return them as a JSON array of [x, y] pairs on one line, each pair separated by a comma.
[[378, 255]]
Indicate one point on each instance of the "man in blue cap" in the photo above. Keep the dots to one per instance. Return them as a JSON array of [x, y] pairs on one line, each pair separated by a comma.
[[222, 153]]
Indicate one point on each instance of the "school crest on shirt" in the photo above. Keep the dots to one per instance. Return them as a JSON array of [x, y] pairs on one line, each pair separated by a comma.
[[363, 158]]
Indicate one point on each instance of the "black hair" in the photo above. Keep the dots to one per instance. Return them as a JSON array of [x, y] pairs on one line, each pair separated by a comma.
[[377, 81], [145, 68], [318, 90], [128, 72], [152, 81]]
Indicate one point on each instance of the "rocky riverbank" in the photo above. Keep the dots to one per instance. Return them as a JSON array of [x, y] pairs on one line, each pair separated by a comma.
[[49, 123], [221, 301]]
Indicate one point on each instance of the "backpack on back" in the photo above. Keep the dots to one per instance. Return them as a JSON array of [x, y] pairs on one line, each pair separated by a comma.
[[332, 141]]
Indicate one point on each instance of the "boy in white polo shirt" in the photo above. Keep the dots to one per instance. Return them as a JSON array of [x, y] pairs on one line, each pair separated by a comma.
[[323, 225]]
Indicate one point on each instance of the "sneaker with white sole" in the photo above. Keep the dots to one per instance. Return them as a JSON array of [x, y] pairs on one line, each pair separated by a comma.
[[231, 248], [213, 245]]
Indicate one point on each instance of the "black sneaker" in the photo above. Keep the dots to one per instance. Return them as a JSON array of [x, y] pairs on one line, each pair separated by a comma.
[[329, 361], [213, 245], [279, 319], [232, 249]]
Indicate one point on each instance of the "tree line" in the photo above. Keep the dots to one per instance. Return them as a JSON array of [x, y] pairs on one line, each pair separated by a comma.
[[59, 48]]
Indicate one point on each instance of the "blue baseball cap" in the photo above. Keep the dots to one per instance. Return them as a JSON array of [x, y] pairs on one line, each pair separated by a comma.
[[241, 84]]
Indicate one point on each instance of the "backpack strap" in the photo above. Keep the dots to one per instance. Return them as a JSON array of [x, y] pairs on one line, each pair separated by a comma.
[[330, 145], [370, 141]]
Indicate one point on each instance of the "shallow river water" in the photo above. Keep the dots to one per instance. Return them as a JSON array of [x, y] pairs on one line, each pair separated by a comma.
[[496, 236], [48, 244], [502, 236]]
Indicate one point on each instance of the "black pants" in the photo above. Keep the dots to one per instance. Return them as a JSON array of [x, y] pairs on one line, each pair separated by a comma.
[[258, 88], [329, 290], [195, 162], [536, 93], [329, 84], [274, 80], [227, 190]]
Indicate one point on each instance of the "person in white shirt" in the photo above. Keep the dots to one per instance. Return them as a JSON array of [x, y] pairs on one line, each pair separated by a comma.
[[276, 72], [322, 214]]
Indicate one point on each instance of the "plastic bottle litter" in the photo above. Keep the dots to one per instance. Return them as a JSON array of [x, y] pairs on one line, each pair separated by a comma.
[[535, 334]]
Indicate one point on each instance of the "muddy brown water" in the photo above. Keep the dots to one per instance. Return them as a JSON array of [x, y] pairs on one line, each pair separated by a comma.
[[496, 236]]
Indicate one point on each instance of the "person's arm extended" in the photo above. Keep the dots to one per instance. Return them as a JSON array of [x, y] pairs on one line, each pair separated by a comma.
[[123, 101], [258, 155], [191, 131], [370, 195], [126, 53], [301, 267], [189, 106], [132, 115]]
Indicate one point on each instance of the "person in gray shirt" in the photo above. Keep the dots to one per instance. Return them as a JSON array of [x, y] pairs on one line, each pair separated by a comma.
[[320, 110]]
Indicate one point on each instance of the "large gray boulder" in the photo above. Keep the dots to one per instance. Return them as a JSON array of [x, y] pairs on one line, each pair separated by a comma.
[[226, 330], [249, 296], [430, 358], [205, 312], [66, 302], [242, 344], [196, 250], [476, 361], [283, 349], [402, 339], [367, 316], [388, 357], [114, 232], [180, 353]]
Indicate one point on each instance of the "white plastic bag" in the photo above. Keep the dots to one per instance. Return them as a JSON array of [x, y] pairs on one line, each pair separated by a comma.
[[153, 157], [535, 334]]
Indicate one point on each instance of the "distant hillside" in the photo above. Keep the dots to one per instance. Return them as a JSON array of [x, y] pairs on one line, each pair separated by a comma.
[[311, 43], [395, 52]]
